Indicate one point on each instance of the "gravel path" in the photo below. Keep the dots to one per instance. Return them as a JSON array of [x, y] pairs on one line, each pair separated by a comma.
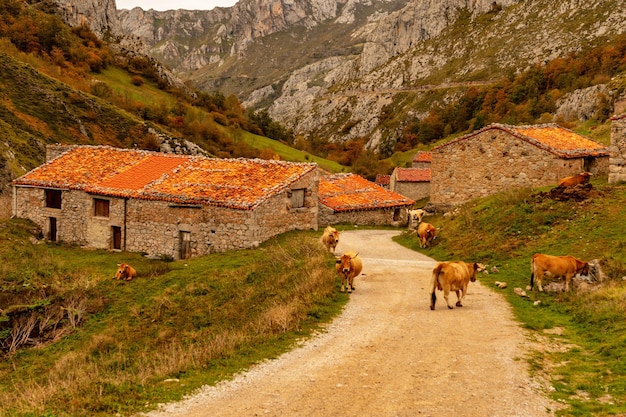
[[387, 354]]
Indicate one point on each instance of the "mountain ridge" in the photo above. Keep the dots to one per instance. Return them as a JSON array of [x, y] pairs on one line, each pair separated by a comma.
[[301, 60]]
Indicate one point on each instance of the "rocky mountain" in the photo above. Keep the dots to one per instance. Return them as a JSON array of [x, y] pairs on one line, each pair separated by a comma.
[[343, 69]]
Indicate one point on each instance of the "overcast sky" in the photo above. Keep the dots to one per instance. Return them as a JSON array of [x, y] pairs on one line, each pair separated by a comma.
[[173, 4]]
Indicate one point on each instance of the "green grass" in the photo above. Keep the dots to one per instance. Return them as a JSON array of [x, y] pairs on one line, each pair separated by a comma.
[[110, 346], [589, 373]]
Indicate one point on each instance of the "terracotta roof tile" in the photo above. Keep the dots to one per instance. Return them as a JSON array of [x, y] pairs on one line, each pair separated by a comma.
[[345, 192], [551, 137], [383, 179], [235, 183], [422, 156], [412, 174]]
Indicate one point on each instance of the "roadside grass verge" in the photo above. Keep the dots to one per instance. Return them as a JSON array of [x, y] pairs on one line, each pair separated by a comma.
[[582, 333], [103, 347]]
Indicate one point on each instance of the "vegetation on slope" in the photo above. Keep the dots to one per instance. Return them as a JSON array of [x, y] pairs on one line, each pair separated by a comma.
[[586, 331], [75, 342], [64, 85]]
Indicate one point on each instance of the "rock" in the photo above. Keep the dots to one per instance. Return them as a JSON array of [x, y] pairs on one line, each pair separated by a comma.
[[520, 292]]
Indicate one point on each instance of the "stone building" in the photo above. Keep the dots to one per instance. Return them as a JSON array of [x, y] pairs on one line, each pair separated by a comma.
[[164, 204], [502, 157], [411, 182], [422, 159], [617, 164], [350, 198]]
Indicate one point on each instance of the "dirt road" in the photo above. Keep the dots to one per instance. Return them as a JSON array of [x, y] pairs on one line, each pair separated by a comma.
[[387, 354]]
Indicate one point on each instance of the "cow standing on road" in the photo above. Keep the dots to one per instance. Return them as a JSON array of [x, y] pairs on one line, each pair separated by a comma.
[[348, 266], [452, 276]]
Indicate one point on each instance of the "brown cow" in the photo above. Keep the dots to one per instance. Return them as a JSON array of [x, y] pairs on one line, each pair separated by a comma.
[[556, 267], [426, 232], [125, 271], [452, 276], [348, 266], [330, 238], [572, 181]]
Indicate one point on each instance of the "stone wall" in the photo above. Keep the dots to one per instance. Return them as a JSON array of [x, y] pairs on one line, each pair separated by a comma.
[[154, 227], [397, 217], [490, 162], [412, 190], [617, 161]]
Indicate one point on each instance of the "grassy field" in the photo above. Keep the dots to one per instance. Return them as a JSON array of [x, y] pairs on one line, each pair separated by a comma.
[[585, 330], [76, 342]]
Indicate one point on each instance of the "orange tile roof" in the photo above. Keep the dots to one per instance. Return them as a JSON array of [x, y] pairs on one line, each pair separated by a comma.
[[422, 156], [383, 179], [235, 183], [550, 137], [345, 192], [412, 174]]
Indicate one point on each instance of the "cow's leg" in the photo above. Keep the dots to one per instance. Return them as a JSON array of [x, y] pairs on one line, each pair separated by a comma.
[[446, 294], [539, 277], [351, 280], [342, 283], [459, 296], [568, 278]]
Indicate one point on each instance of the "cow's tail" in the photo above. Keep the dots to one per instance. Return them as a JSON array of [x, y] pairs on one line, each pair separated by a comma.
[[433, 285]]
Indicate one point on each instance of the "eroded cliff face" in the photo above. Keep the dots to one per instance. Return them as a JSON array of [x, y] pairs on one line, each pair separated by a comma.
[[343, 69], [99, 15]]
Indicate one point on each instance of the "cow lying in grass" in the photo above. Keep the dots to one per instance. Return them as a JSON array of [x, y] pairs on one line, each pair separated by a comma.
[[573, 181], [348, 266], [556, 267], [452, 276], [125, 272]]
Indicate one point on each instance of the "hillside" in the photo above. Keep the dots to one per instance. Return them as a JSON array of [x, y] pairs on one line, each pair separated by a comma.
[[339, 71], [71, 88]]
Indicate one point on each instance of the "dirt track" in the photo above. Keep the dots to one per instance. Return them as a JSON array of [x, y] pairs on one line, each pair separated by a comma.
[[387, 354]]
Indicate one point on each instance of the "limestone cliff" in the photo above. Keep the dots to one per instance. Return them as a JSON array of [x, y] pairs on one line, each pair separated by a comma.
[[343, 69]]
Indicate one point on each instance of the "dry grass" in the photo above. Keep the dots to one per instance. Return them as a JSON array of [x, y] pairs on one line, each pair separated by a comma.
[[199, 322]]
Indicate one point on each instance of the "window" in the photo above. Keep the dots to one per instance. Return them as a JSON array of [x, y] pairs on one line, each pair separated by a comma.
[[53, 199], [297, 198], [101, 207]]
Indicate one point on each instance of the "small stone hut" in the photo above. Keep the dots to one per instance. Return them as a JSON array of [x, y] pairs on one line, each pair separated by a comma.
[[411, 182], [350, 198], [163, 204], [617, 162], [422, 159], [502, 157]]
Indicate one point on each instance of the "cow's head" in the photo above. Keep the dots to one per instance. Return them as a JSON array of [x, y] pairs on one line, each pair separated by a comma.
[[475, 268], [345, 262], [582, 268], [122, 271]]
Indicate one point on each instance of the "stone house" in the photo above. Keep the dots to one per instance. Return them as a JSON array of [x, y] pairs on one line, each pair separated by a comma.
[[411, 182], [383, 180], [502, 157], [422, 159], [350, 198], [617, 164], [164, 204]]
